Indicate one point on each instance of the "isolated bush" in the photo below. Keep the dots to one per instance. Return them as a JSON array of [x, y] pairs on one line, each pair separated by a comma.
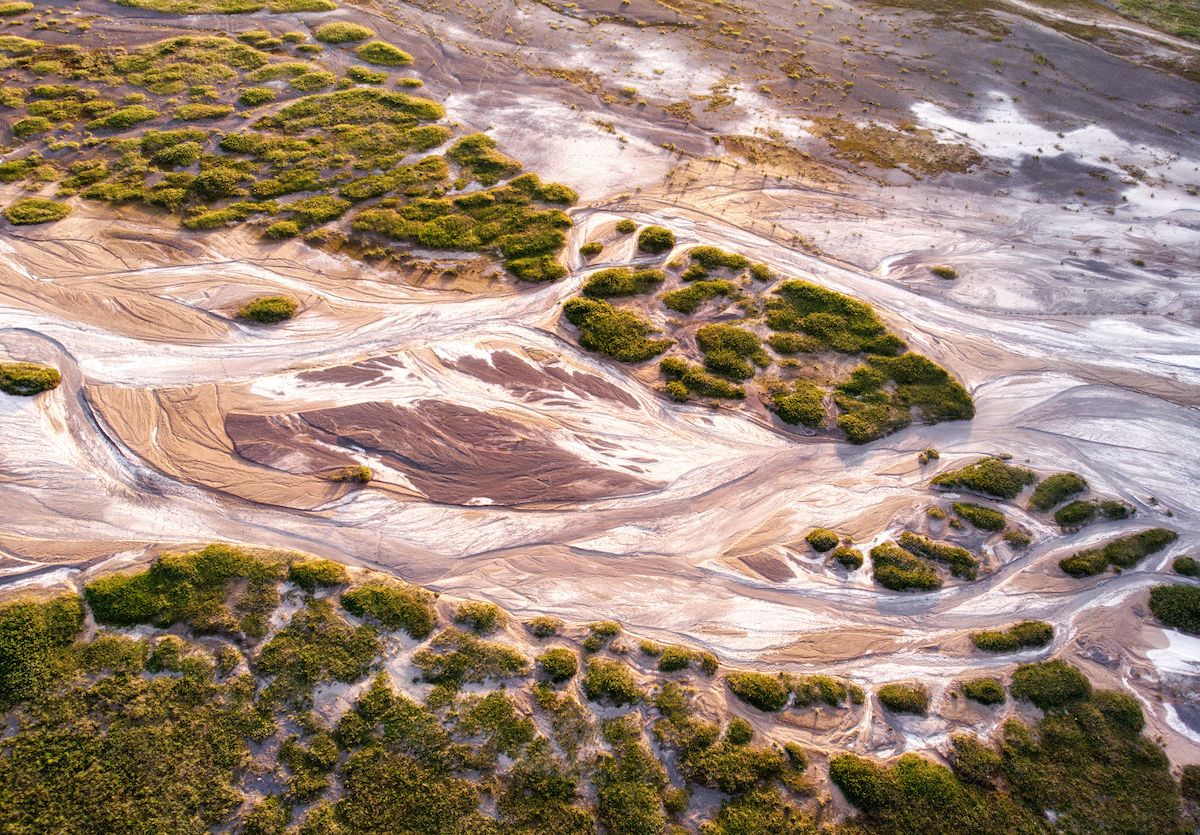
[[32, 210], [269, 310], [591, 249], [383, 54], [559, 664], [762, 690], [27, 378], [674, 658], [310, 573], [1177, 606], [1050, 684], [1056, 489], [339, 32], [989, 476], [904, 698], [822, 539], [985, 690], [1027, 634], [626, 226], [655, 239]]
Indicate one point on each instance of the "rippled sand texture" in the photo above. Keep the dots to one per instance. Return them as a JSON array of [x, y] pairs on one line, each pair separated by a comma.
[[511, 464]]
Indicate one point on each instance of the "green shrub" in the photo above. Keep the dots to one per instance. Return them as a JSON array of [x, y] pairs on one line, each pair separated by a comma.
[[1017, 539], [804, 404], [559, 664], [1056, 489], [1027, 634], [620, 334], [543, 626], [688, 299], [611, 682], [254, 96], [1079, 513], [904, 698], [712, 258], [896, 569], [849, 558], [339, 32], [15, 8], [973, 760], [943, 271], [455, 657], [1125, 552], [393, 605], [27, 378], [33, 210], [310, 573], [985, 690], [383, 54], [809, 689], [268, 310], [1186, 566], [31, 126], [591, 249], [282, 229], [318, 646], [1189, 783], [833, 320], [694, 380], [123, 118], [310, 82], [984, 518], [1177, 606], [626, 226], [353, 474], [989, 476], [478, 156], [362, 75], [674, 659], [655, 239], [32, 635], [762, 690], [1050, 684], [621, 281], [822, 539], [599, 634], [479, 616], [961, 563]]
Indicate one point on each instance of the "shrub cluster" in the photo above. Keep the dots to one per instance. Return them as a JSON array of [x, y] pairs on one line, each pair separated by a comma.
[[620, 334], [803, 405], [917, 385], [544, 626], [689, 299], [1079, 513], [1177, 606], [849, 558], [611, 682], [961, 563], [985, 690], [764, 691], [1186, 566], [455, 657], [984, 518], [989, 476], [621, 281], [269, 310], [310, 573], [1050, 684], [339, 32], [1125, 552], [822, 539], [1056, 489], [383, 54], [712, 258], [29, 211], [655, 239], [1027, 634], [688, 379], [27, 378], [479, 616], [895, 568], [394, 605], [32, 632], [835, 322], [559, 664]]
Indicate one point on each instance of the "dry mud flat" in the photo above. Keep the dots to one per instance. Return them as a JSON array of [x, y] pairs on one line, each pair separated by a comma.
[[513, 465]]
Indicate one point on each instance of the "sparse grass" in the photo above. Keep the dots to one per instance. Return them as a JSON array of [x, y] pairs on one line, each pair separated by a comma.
[[655, 239], [1177, 606], [1056, 489], [620, 334], [904, 697], [269, 310], [984, 518], [1027, 634], [1125, 552], [989, 476], [29, 211], [26, 379]]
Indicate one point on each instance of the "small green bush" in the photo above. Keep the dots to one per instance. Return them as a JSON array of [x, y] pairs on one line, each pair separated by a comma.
[[544, 626], [308, 574], [904, 698], [626, 226], [1027, 634], [674, 659], [394, 605], [353, 474], [1177, 606], [803, 405], [620, 334], [1056, 489], [764, 691], [1017, 539], [27, 378], [849, 558], [339, 32], [1050, 684], [123, 118], [961, 563], [591, 249], [254, 96], [1186, 566], [15, 8], [713, 258], [282, 229], [479, 616], [810, 689], [1079, 513], [655, 239], [383, 54], [896, 569], [33, 210], [989, 476], [943, 271], [984, 518], [689, 299], [1125, 552], [985, 690], [269, 310], [31, 126], [611, 682], [822, 539], [559, 664], [621, 281]]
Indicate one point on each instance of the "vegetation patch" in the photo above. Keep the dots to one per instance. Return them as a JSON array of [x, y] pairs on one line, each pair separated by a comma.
[[1056, 489], [33, 210], [340, 32], [269, 310], [849, 558], [895, 568], [1050, 684], [904, 698], [558, 664], [311, 574], [769, 693], [384, 54], [26, 379], [1125, 552], [689, 299], [989, 476], [687, 379], [882, 395], [1028, 634], [1184, 566], [455, 657], [393, 605], [985, 690], [620, 334], [1077, 514], [803, 404], [33, 634], [1177, 606], [621, 281], [479, 616], [822, 539], [984, 518], [655, 239], [961, 562], [611, 682]]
